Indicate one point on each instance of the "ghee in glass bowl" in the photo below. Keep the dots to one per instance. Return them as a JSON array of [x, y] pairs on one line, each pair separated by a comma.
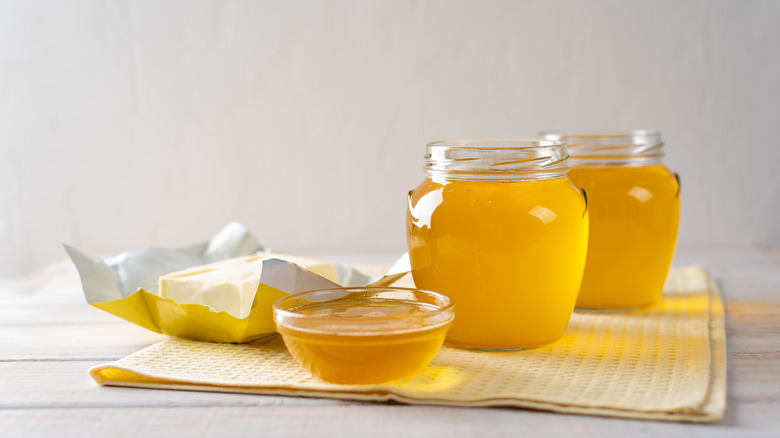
[[364, 335]]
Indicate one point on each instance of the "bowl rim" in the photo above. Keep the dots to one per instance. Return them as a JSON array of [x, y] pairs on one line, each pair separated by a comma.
[[441, 315]]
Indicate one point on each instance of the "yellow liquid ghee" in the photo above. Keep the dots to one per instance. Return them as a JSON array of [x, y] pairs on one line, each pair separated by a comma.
[[509, 253], [634, 213], [372, 350]]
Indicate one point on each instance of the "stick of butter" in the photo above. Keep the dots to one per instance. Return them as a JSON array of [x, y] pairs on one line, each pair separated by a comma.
[[230, 285]]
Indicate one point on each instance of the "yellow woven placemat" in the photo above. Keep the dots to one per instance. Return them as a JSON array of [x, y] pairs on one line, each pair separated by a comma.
[[667, 362]]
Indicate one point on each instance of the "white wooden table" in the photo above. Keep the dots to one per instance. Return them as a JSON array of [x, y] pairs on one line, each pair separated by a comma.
[[49, 338]]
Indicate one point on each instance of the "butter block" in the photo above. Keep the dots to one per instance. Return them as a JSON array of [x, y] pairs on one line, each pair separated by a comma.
[[230, 285]]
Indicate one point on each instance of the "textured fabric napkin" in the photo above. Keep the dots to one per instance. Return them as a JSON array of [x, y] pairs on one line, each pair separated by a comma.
[[667, 362]]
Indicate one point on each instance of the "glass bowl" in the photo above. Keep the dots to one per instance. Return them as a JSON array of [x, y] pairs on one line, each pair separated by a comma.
[[364, 335]]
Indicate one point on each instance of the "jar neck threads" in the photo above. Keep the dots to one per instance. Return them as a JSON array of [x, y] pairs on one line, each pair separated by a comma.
[[631, 148], [496, 159]]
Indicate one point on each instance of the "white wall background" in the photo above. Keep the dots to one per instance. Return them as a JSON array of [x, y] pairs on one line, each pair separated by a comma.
[[153, 123]]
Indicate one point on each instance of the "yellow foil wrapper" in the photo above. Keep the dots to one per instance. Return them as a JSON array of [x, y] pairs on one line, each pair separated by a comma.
[[126, 286], [195, 321]]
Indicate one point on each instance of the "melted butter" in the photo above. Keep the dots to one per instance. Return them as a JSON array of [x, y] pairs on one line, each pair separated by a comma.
[[359, 342], [510, 254], [634, 212]]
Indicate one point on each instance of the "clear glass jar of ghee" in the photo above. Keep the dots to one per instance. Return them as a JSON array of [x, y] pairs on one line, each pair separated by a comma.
[[634, 213], [497, 226]]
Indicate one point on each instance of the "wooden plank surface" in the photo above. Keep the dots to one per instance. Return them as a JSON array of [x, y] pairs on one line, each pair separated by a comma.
[[49, 338], [363, 421]]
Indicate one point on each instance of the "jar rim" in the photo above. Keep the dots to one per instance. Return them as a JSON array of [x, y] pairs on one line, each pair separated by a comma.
[[507, 159], [604, 147], [510, 143], [600, 133]]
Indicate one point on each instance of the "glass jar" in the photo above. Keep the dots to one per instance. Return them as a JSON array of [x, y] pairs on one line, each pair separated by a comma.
[[497, 226], [634, 213]]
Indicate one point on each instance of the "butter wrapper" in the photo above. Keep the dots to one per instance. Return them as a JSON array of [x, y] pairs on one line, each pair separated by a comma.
[[126, 285]]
